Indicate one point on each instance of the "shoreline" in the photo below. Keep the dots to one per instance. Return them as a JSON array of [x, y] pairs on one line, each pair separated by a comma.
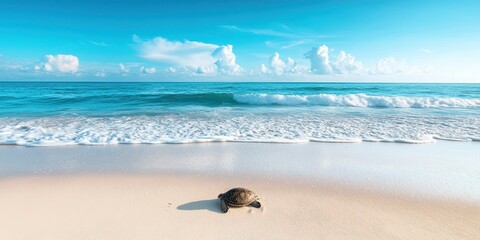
[[442, 170], [427, 139]]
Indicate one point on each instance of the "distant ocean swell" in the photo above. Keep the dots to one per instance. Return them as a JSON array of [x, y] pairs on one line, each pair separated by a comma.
[[230, 99]]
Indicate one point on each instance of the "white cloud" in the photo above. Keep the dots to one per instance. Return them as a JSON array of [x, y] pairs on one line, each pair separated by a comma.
[[59, 63], [319, 62], [202, 70], [390, 65], [100, 74], [172, 70], [123, 69], [191, 71], [346, 63], [190, 56], [278, 67], [186, 53], [6, 64], [263, 69], [226, 60], [147, 70]]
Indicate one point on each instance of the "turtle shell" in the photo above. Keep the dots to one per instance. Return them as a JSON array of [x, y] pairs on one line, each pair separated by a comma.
[[239, 197]]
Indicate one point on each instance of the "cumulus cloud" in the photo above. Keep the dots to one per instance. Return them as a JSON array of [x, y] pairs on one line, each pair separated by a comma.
[[278, 67], [186, 53], [226, 59], [192, 71], [202, 70], [192, 56], [58, 63], [147, 70], [263, 69], [344, 62], [319, 60]]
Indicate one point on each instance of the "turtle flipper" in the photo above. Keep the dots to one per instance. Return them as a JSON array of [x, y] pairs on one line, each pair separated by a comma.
[[224, 206], [255, 204]]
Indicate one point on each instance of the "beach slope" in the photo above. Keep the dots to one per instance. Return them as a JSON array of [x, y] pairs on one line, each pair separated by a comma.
[[181, 206]]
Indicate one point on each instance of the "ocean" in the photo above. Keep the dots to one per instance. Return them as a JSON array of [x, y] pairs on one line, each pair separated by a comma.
[[70, 113]]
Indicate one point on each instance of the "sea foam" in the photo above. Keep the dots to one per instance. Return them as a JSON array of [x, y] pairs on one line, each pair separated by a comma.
[[299, 127], [357, 100]]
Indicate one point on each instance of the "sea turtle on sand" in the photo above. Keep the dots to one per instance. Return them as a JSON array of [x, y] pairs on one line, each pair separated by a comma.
[[238, 197]]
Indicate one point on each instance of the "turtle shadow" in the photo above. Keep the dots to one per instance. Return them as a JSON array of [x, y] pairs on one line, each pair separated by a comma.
[[212, 205]]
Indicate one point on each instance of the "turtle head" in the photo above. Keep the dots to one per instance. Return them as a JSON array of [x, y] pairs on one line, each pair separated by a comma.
[[220, 195]]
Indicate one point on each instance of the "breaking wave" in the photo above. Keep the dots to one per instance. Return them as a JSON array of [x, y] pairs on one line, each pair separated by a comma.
[[356, 100], [228, 127]]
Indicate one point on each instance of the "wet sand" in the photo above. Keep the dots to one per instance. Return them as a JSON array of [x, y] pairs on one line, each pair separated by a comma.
[[308, 191]]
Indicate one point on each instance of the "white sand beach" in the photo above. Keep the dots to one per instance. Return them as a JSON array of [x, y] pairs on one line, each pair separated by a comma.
[[308, 191], [350, 120]]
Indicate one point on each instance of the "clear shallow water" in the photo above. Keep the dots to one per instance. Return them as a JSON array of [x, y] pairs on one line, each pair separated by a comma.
[[443, 170], [44, 114]]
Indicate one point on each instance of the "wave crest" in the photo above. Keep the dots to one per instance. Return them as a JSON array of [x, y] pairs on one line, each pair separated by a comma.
[[356, 100]]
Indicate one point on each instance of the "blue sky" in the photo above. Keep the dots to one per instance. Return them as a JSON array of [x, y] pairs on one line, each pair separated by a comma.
[[240, 40]]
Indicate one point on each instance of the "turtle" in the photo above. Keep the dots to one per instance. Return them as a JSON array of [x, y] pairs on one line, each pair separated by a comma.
[[238, 197]]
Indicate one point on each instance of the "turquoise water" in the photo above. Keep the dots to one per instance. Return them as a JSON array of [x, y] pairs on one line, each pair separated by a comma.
[[33, 113]]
